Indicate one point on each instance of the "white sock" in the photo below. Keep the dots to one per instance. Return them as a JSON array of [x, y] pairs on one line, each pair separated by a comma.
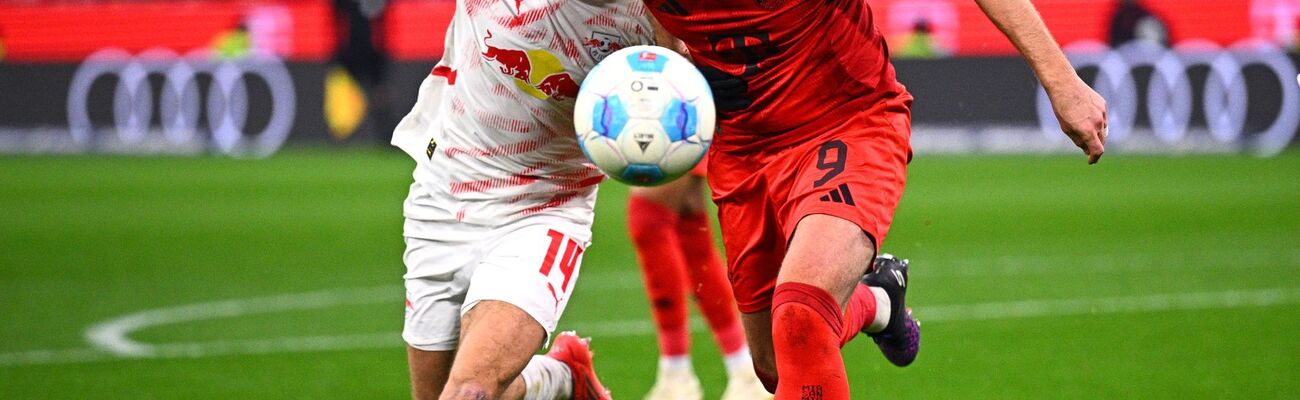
[[546, 378], [882, 310], [675, 364], [738, 361]]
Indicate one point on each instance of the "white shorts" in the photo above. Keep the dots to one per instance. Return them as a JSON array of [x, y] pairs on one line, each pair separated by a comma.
[[531, 263]]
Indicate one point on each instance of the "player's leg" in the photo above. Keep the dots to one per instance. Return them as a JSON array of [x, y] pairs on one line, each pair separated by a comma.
[[436, 280], [859, 312], [653, 222], [497, 341], [758, 334], [826, 259], [752, 236], [515, 298], [842, 201], [429, 370], [712, 292], [708, 276], [504, 367]]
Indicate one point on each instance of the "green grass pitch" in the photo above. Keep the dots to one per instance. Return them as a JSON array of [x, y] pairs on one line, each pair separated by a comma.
[[1036, 277]]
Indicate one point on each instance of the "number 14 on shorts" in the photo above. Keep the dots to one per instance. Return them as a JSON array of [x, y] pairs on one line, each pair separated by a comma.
[[566, 262]]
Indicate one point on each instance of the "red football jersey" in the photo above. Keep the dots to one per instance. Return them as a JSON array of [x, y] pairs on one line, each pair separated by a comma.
[[802, 66]]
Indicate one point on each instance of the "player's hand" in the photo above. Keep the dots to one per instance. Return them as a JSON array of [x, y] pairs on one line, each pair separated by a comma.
[[1082, 114]]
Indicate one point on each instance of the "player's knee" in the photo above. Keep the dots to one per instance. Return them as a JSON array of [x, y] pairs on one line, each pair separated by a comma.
[[786, 318], [796, 307], [666, 303], [472, 388], [829, 253]]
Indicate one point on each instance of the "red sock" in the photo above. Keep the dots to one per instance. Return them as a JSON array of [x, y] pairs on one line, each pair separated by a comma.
[[806, 325], [653, 228], [860, 311], [709, 279]]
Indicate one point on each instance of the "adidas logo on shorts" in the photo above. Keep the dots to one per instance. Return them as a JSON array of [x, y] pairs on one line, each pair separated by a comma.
[[839, 194]]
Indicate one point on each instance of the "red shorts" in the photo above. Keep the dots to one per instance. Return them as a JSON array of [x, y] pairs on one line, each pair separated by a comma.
[[855, 171]]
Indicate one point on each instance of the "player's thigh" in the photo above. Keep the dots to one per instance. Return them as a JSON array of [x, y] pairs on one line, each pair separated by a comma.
[[856, 172], [533, 266], [437, 279], [497, 340], [843, 194], [754, 248], [429, 372], [827, 252]]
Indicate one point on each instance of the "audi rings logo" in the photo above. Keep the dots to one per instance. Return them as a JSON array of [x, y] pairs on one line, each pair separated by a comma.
[[225, 104], [1226, 103]]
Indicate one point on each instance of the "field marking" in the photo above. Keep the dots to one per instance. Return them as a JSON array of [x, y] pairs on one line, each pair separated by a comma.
[[112, 340], [1030, 265], [112, 336], [1109, 305]]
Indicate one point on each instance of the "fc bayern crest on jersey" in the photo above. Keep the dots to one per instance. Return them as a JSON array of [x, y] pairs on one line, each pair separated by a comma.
[[601, 44]]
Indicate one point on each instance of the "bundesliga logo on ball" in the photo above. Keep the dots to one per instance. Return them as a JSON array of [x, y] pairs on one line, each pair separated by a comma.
[[644, 116]]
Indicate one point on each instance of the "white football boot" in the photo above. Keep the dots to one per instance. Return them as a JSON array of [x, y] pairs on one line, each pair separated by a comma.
[[743, 384], [675, 385]]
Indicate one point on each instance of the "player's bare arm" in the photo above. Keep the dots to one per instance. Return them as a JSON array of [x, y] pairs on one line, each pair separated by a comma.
[[1080, 110]]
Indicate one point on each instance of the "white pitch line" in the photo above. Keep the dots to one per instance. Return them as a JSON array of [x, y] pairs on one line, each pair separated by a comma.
[[1109, 305], [52, 357], [640, 327], [1030, 265], [113, 336]]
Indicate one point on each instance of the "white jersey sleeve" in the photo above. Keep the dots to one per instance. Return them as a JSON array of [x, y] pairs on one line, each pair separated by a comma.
[[492, 130]]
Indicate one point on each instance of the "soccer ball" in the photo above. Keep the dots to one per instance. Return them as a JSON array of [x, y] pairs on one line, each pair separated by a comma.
[[644, 115]]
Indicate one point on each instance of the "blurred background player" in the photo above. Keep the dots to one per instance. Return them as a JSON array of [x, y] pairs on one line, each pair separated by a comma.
[[1131, 20], [810, 164], [501, 208], [669, 226]]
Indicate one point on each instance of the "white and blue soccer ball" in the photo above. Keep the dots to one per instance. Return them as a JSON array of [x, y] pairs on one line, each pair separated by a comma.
[[644, 115]]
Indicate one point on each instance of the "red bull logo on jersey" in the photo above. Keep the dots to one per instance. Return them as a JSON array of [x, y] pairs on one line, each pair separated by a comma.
[[536, 72], [601, 44]]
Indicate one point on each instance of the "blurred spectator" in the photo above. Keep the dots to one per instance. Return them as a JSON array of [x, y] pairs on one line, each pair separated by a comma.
[[920, 42], [1276, 21], [261, 29], [1133, 21], [921, 28], [357, 51], [233, 43], [358, 91]]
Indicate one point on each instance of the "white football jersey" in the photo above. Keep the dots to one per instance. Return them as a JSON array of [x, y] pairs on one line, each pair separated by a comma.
[[492, 130]]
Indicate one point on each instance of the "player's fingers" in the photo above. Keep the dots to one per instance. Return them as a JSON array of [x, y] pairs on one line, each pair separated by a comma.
[[1095, 146]]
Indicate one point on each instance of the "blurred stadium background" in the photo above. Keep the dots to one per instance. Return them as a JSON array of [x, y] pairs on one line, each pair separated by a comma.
[[197, 201]]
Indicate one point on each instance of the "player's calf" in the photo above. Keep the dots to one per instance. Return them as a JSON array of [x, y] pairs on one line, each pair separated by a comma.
[[429, 372], [826, 259], [758, 333], [806, 327]]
